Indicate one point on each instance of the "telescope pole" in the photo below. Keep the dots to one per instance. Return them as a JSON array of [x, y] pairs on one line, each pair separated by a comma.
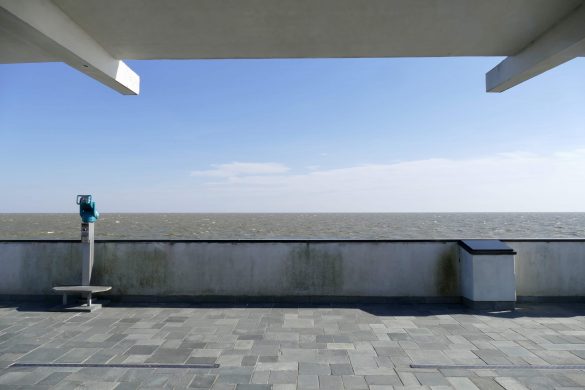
[[86, 252]]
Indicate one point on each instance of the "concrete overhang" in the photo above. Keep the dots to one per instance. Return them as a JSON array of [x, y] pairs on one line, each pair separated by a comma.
[[94, 36]]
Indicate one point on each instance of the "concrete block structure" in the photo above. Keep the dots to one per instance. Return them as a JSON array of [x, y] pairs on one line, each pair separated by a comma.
[[487, 274]]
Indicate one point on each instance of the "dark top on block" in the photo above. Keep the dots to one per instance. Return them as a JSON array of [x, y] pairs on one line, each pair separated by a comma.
[[486, 247]]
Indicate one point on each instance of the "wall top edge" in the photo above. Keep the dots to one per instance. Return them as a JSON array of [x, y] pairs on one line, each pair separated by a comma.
[[308, 241]]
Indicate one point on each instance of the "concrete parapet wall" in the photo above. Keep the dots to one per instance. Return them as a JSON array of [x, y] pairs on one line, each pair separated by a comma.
[[554, 268], [394, 269], [234, 268]]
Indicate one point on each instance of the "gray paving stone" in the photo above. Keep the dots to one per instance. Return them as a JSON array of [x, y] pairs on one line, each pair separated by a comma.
[[510, 383], [203, 381], [382, 380], [97, 374], [577, 377], [354, 382], [87, 385], [341, 369], [141, 350], [234, 370], [77, 355], [428, 356], [260, 377], [234, 378], [314, 369], [324, 339], [223, 386], [169, 356], [54, 378], [100, 357], [541, 381], [462, 383], [19, 348], [486, 383], [12, 378], [44, 355], [180, 378], [201, 360], [251, 337], [156, 381], [127, 386], [559, 357], [283, 377], [136, 375], [389, 351], [268, 359], [399, 336], [492, 356], [431, 379], [327, 382], [456, 372], [308, 381]]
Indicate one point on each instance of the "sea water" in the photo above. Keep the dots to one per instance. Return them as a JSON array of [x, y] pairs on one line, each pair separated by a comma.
[[298, 226]]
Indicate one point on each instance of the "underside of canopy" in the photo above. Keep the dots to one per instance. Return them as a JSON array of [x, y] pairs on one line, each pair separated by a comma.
[[96, 36]]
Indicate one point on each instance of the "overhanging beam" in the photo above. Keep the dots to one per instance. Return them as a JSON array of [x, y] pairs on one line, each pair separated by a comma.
[[563, 42], [43, 24]]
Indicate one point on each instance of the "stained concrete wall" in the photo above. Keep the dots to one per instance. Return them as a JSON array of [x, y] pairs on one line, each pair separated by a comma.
[[554, 268], [255, 269], [405, 269]]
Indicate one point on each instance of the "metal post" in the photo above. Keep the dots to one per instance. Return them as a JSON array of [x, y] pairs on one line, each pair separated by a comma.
[[87, 230]]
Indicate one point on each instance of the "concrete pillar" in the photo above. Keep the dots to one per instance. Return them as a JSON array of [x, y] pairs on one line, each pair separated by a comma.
[[488, 280]]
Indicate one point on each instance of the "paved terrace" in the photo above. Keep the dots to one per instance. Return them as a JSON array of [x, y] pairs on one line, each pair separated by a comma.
[[263, 347]]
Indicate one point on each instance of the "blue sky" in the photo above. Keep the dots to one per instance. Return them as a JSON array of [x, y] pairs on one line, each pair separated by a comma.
[[293, 135]]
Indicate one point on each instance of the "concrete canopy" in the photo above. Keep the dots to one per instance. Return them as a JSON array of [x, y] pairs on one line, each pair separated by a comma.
[[95, 35]]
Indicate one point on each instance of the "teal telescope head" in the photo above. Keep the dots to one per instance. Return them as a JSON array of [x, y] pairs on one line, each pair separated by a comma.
[[87, 209]]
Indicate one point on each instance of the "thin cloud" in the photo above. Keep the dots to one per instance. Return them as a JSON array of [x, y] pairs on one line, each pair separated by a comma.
[[503, 182], [236, 169]]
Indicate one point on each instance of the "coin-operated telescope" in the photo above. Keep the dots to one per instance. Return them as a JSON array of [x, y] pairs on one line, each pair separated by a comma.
[[87, 209], [89, 216]]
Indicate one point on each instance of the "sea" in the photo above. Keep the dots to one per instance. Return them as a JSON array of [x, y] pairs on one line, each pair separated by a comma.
[[220, 226]]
